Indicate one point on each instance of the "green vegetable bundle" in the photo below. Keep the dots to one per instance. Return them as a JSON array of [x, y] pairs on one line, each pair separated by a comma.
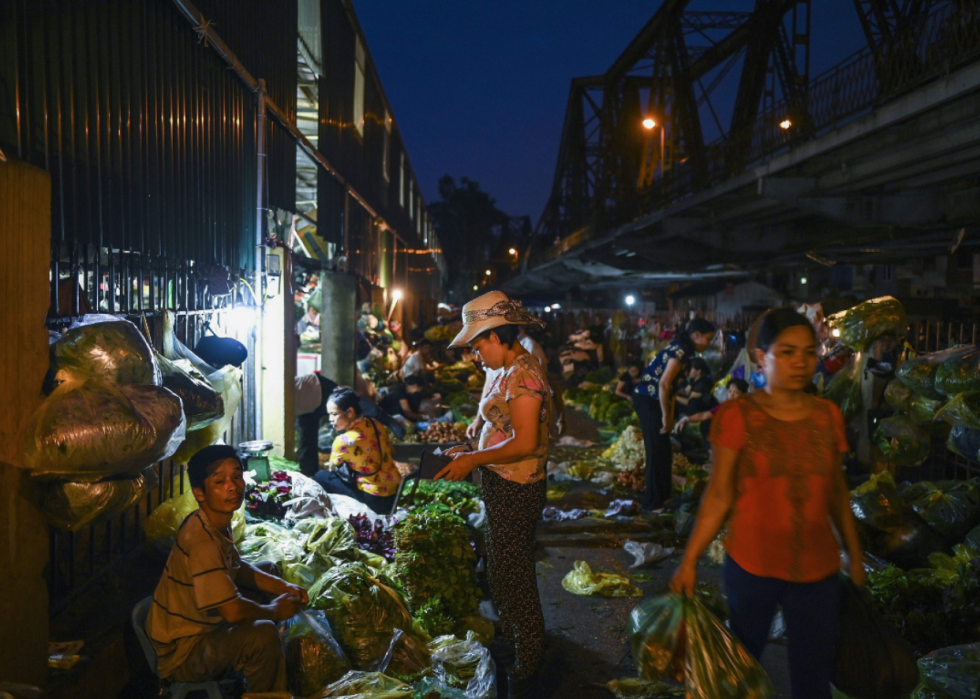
[[902, 440], [919, 374], [434, 567], [866, 322], [962, 410], [953, 672], [949, 507], [844, 388], [462, 497], [959, 373], [313, 657]]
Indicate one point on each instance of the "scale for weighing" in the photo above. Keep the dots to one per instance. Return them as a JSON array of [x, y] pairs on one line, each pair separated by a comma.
[[255, 458]]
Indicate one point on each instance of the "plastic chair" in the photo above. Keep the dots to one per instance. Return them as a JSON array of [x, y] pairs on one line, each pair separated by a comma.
[[176, 690]]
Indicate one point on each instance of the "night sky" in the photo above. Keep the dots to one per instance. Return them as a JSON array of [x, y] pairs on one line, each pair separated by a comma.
[[479, 88]]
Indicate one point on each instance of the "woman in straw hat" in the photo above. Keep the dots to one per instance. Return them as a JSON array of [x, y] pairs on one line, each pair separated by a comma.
[[513, 450]]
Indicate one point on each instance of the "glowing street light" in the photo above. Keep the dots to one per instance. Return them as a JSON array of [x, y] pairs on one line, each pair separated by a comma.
[[476, 288], [649, 124], [802, 280], [556, 306], [547, 309], [630, 300], [785, 124], [489, 272], [512, 251], [396, 296]]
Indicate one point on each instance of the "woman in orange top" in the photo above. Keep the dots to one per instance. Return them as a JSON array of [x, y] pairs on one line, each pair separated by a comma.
[[777, 478]]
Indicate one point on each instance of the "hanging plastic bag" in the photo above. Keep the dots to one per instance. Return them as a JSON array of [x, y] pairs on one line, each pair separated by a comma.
[[902, 440], [227, 382], [873, 661], [175, 350], [844, 388], [898, 396], [92, 430], [949, 507], [202, 404], [963, 410], [965, 442], [953, 671], [919, 374], [72, 506], [657, 637], [923, 409], [366, 685], [313, 658], [959, 373], [866, 322], [582, 581], [105, 347], [461, 670]]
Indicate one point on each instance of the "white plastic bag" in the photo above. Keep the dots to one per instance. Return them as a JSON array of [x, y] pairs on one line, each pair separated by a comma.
[[646, 553]]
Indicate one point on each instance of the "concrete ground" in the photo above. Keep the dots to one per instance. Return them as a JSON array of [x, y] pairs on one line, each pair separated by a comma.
[[587, 636]]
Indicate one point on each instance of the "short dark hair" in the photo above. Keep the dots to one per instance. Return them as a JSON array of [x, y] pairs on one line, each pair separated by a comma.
[[777, 320], [702, 366], [424, 343], [414, 381], [345, 399], [507, 334], [741, 384], [202, 464]]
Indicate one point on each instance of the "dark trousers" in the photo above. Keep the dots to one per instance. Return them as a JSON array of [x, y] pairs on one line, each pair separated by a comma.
[[332, 483], [812, 614], [658, 449]]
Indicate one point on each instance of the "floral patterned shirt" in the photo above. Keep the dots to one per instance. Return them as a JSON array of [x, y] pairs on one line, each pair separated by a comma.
[[523, 378], [360, 449], [649, 383]]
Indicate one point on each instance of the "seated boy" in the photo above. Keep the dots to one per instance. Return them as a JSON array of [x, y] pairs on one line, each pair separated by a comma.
[[200, 625]]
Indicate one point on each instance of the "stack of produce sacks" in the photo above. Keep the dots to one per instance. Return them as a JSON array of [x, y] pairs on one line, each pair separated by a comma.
[[94, 438]]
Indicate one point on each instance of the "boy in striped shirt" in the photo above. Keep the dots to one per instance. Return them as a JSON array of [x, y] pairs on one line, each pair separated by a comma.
[[200, 624]]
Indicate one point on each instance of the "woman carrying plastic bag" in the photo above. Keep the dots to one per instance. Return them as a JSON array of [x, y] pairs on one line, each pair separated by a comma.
[[776, 457]]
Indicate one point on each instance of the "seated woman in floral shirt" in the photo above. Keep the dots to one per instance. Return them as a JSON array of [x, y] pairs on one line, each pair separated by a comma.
[[362, 463]]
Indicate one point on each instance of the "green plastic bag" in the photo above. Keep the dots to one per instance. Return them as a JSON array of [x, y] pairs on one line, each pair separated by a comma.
[[366, 685], [460, 670], [656, 633], [902, 440], [582, 581], [949, 507], [954, 671], [963, 410], [965, 442], [973, 538], [844, 388], [919, 374], [866, 322], [898, 396], [959, 373], [637, 688], [923, 409], [313, 658]]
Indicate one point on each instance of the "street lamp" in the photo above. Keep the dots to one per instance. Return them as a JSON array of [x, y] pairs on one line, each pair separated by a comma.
[[489, 272], [649, 124], [630, 300], [512, 251], [785, 124], [476, 288], [396, 296]]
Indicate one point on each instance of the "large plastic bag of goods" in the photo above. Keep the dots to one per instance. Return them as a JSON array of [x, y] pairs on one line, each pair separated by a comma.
[[844, 388], [919, 374], [866, 322], [227, 382], [202, 404], [902, 440], [923, 409], [366, 685], [949, 507], [899, 396], [890, 528], [314, 659], [363, 611], [965, 442], [873, 661], [953, 672], [959, 373], [105, 347], [72, 506], [175, 350], [582, 581], [460, 670], [91, 430], [963, 410], [677, 637], [407, 659]]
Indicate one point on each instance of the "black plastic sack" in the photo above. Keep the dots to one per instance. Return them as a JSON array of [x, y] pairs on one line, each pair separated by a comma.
[[889, 528], [919, 374], [202, 404], [965, 442], [104, 347], [949, 507], [866, 322], [873, 661], [902, 440], [314, 659], [959, 373], [953, 671], [221, 351], [73, 506]]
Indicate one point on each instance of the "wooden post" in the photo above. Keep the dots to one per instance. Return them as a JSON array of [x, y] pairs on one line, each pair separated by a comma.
[[25, 231]]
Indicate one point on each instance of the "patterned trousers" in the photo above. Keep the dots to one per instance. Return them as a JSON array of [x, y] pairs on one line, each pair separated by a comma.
[[513, 509]]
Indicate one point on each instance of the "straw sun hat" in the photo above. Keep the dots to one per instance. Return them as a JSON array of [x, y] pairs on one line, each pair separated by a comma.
[[491, 311]]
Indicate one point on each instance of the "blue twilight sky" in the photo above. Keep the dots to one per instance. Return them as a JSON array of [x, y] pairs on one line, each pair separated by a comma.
[[479, 88]]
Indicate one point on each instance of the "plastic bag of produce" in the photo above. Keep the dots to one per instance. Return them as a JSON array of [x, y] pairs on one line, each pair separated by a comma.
[[963, 410], [953, 671], [898, 396], [91, 430], [844, 388], [973, 538], [461, 670], [582, 581], [923, 409], [873, 661], [202, 404], [363, 611], [72, 506], [959, 373], [313, 658], [407, 658], [366, 685], [919, 374], [902, 440], [866, 322], [949, 507], [657, 633], [105, 347], [890, 528], [227, 382], [965, 442], [636, 688]]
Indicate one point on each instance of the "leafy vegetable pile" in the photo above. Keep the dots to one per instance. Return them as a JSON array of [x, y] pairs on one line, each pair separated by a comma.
[[434, 562], [461, 497], [268, 500], [376, 538]]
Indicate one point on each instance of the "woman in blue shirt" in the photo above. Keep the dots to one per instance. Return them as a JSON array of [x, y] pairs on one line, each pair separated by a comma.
[[653, 401]]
